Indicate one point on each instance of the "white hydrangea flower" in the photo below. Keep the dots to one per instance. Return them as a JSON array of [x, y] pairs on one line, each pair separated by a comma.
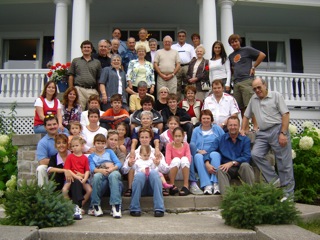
[[307, 124], [2, 149], [5, 159], [12, 182], [1, 193], [294, 155], [317, 130], [4, 140], [306, 143], [292, 129]]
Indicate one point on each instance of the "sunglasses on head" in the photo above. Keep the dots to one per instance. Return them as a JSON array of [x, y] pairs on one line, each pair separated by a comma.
[[49, 116]]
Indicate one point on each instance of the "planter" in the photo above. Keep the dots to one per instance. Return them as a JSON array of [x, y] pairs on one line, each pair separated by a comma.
[[63, 84]]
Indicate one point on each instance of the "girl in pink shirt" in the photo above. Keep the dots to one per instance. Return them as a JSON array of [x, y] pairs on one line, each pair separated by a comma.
[[178, 157]]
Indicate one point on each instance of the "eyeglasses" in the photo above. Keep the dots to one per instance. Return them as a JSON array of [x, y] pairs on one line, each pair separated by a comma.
[[257, 88], [163, 92], [49, 116]]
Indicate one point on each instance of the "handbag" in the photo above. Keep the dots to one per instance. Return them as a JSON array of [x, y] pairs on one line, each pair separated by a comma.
[[205, 82]]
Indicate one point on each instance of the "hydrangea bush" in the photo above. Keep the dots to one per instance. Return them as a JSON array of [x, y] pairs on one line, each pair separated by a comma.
[[306, 161]]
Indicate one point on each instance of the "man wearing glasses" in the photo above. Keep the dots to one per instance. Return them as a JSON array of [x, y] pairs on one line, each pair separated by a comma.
[[272, 116]]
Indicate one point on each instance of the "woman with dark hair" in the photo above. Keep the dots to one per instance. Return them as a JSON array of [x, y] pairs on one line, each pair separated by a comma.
[[205, 159], [71, 109], [47, 104], [219, 65]]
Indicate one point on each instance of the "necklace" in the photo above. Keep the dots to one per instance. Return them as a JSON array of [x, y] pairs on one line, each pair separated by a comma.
[[91, 129]]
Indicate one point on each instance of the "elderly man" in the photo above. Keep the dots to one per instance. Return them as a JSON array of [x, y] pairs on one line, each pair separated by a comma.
[[129, 54], [143, 35], [102, 54], [272, 116], [235, 154], [134, 100], [115, 44], [116, 34], [167, 64], [186, 53], [222, 105], [84, 73]]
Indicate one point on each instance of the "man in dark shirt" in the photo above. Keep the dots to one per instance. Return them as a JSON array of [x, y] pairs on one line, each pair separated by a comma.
[[102, 54]]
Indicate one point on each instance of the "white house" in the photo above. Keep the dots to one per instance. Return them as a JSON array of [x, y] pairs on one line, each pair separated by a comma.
[[288, 31]]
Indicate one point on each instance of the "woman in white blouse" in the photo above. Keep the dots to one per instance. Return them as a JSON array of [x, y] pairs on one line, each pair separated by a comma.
[[219, 65]]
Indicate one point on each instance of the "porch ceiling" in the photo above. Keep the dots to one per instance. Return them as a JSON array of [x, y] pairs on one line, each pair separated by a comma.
[[173, 12]]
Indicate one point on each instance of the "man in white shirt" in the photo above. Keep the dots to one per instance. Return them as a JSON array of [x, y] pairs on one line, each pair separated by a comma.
[[186, 53], [222, 105]]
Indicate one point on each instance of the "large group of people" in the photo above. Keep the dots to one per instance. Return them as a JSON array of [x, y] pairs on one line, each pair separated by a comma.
[[146, 115]]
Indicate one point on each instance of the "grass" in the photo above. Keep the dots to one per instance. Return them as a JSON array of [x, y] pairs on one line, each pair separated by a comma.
[[311, 225]]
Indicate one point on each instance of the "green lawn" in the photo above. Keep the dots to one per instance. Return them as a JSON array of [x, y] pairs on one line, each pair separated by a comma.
[[311, 225]]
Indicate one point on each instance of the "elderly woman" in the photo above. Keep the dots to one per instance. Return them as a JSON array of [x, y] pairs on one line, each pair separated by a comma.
[[192, 105], [140, 70], [47, 104], [198, 72], [162, 102], [204, 159], [113, 80], [71, 109]]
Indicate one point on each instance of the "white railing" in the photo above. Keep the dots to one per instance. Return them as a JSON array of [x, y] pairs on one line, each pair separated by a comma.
[[298, 89]]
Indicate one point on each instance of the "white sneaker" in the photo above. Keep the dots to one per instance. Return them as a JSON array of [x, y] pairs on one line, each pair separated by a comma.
[[216, 189], [195, 190], [116, 211], [97, 211], [77, 213], [91, 211], [207, 190]]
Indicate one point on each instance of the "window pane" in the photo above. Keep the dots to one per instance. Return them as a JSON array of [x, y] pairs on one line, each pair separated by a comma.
[[23, 49], [277, 52], [261, 46]]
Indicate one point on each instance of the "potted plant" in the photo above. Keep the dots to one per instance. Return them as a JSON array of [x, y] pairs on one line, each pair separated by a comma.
[[58, 74]]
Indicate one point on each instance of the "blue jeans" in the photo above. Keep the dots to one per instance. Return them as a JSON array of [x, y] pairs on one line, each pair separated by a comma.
[[198, 159], [151, 186], [101, 183], [192, 176]]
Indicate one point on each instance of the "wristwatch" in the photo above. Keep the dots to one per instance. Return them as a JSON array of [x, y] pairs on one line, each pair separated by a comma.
[[253, 68], [234, 163], [284, 133]]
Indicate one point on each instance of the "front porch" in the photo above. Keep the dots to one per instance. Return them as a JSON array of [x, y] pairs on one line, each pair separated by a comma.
[[301, 92]]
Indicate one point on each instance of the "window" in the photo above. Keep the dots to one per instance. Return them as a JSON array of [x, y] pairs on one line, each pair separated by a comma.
[[275, 55]]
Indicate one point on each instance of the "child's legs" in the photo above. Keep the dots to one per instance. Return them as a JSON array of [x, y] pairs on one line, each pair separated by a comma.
[[130, 178], [88, 189], [65, 189], [163, 180], [174, 167], [185, 166]]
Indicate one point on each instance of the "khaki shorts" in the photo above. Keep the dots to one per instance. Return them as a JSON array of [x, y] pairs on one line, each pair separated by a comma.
[[242, 92]]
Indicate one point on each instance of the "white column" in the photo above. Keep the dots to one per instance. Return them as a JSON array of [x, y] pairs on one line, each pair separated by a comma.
[[226, 23], [78, 27], [88, 19], [209, 35], [200, 20], [60, 31]]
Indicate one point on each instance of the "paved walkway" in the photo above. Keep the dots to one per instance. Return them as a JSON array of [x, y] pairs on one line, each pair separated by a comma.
[[190, 225]]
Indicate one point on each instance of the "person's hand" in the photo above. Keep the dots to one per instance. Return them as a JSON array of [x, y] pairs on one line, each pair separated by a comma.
[[157, 153], [156, 161], [104, 99], [283, 140], [225, 167], [152, 89], [243, 132], [210, 169], [252, 71], [79, 174], [202, 152], [192, 80], [104, 171], [61, 127], [68, 176], [131, 161]]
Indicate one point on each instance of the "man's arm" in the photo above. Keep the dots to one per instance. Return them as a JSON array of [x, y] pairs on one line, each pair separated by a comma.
[[283, 139], [244, 126], [257, 62], [71, 80]]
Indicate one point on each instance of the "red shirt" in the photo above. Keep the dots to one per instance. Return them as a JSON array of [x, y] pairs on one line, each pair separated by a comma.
[[77, 164], [46, 110]]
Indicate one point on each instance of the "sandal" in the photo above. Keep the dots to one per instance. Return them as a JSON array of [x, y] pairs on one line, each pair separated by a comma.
[[164, 192], [128, 192], [184, 191], [173, 190]]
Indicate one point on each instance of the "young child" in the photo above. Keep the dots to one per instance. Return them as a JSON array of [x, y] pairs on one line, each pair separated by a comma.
[[123, 139], [112, 143], [115, 114], [104, 166], [178, 157], [144, 163], [174, 110], [75, 129], [167, 136], [78, 163]]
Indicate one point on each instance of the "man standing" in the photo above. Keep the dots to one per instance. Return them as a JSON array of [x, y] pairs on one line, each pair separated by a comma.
[[129, 54], [272, 116], [186, 53], [167, 64], [84, 73], [102, 54], [243, 70], [116, 34], [222, 105], [143, 35], [46, 148], [235, 154]]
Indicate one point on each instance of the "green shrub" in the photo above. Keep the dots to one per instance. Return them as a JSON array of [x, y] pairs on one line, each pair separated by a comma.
[[31, 205], [246, 206]]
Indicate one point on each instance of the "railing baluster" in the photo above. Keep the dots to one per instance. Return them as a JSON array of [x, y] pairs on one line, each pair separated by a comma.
[[303, 92], [291, 88], [286, 91]]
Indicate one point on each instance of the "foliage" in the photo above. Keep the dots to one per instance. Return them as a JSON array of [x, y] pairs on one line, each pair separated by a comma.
[[32, 205], [58, 71], [311, 225], [8, 152], [306, 161], [246, 206]]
